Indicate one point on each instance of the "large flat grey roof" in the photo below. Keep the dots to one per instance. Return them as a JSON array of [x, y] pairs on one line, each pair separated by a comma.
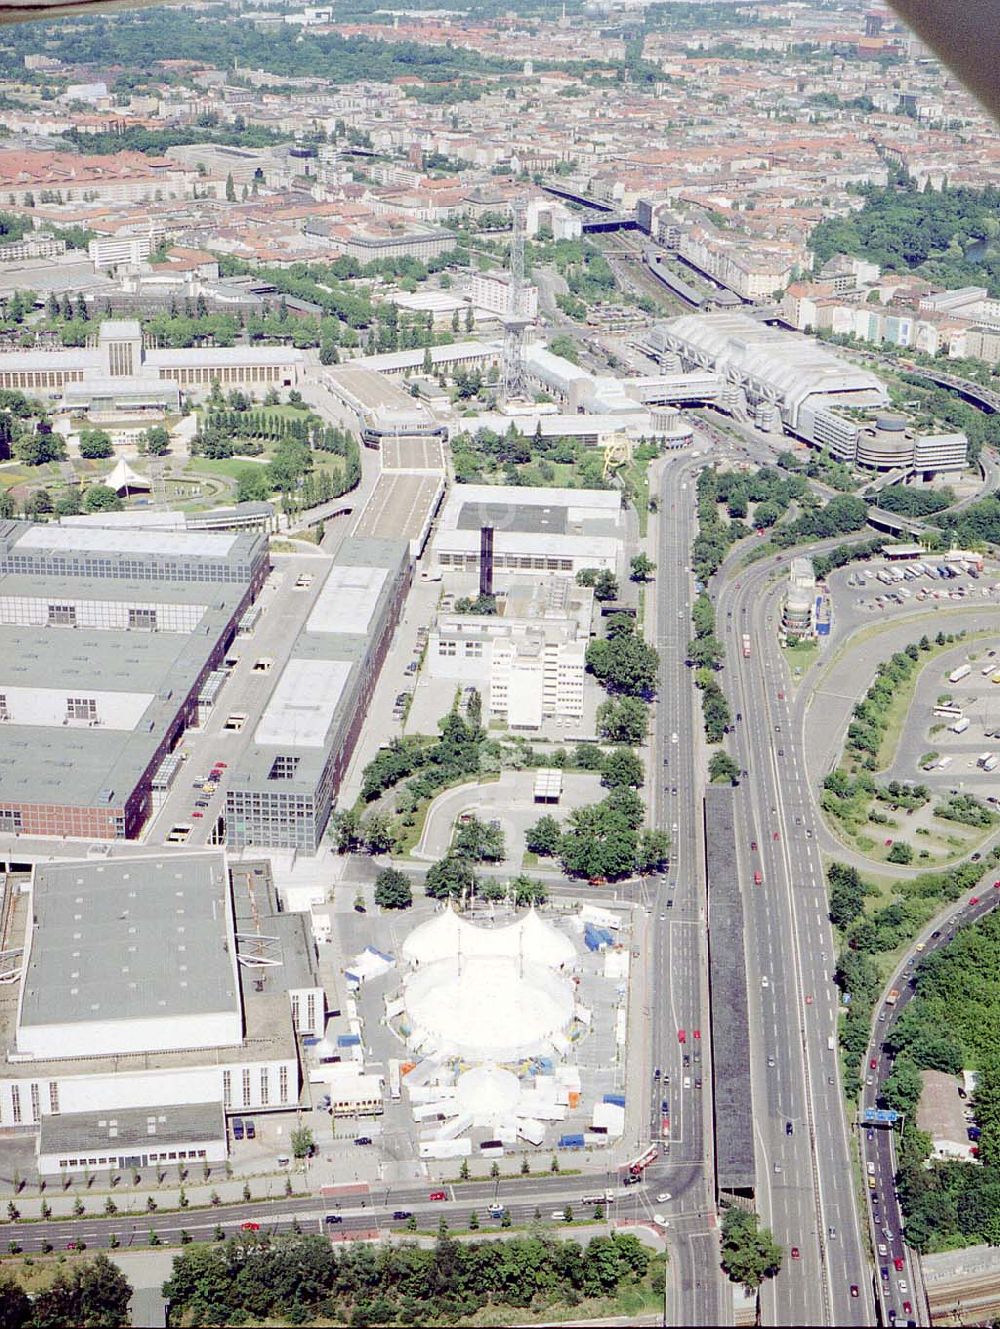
[[734, 1152], [129, 940], [124, 1130], [339, 700], [86, 767]]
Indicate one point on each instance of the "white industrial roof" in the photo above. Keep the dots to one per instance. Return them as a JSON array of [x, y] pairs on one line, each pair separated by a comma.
[[599, 502], [132, 541], [348, 600], [303, 704]]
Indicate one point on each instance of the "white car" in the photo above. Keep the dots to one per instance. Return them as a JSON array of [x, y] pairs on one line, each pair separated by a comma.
[[663, 1197], [765, 982], [661, 1220], [673, 738]]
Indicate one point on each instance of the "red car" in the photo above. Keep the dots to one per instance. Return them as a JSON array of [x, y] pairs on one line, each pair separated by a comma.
[[996, 885], [221, 766], [809, 1001], [438, 1195], [776, 835], [873, 1064], [753, 845], [197, 814], [907, 1308], [974, 900], [795, 1252], [681, 1036], [757, 878], [781, 696], [899, 1263], [888, 844], [250, 1227], [696, 1033]]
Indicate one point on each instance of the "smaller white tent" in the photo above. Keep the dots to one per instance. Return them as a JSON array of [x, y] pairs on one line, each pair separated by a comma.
[[124, 480]]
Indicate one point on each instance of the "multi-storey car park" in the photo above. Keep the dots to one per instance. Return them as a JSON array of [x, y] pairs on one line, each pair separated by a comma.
[[108, 639], [281, 792]]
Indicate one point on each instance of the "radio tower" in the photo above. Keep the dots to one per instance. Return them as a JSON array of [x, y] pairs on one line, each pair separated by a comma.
[[513, 380]]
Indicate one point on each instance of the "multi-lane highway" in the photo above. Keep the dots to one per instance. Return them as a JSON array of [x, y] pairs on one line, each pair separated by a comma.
[[805, 1175], [679, 990]]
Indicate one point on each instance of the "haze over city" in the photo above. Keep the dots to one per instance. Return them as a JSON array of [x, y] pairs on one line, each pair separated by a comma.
[[499, 666]]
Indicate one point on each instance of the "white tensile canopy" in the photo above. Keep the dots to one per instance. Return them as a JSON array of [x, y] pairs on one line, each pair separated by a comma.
[[447, 935], [492, 1008], [124, 478]]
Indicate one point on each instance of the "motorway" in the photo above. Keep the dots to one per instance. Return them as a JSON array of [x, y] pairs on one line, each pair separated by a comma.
[[806, 1181], [679, 993]]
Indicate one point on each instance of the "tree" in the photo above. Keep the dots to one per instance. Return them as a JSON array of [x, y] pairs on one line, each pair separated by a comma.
[[543, 838], [529, 890], [847, 894], [95, 1295], [39, 503], [449, 878], [749, 1252], [641, 568], [624, 664], [99, 498], [721, 768], [155, 441], [605, 585], [95, 444], [900, 852], [653, 852], [563, 345], [393, 890], [302, 1141], [479, 841], [15, 1305], [35, 449], [623, 720], [622, 769], [230, 189], [377, 833], [253, 484]]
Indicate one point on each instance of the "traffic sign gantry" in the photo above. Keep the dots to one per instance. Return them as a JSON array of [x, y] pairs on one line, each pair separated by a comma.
[[880, 1117]]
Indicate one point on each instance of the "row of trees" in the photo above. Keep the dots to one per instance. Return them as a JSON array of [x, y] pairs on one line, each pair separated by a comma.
[[952, 1023], [870, 717], [302, 1279], [868, 933]]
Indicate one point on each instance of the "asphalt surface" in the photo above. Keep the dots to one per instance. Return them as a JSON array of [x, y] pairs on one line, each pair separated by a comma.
[[360, 1209], [679, 993], [805, 1178]]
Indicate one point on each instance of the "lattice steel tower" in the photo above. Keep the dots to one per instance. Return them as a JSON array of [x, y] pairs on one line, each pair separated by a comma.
[[513, 379]]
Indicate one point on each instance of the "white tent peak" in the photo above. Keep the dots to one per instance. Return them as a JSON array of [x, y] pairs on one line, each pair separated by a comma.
[[123, 477], [530, 938]]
